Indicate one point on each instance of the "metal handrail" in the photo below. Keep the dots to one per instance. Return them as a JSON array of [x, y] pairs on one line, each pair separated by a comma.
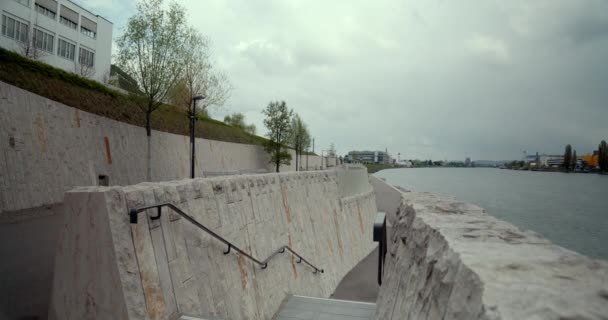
[[264, 263]]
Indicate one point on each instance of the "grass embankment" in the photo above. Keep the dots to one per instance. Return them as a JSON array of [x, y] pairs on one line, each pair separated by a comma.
[[91, 96], [373, 168]]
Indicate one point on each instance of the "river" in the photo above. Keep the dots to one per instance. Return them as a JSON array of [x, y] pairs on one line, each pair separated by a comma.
[[571, 210]]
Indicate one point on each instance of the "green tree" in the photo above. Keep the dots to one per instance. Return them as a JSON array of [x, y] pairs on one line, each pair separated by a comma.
[[299, 138], [237, 119], [567, 158], [277, 121], [603, 156], [151, 51]]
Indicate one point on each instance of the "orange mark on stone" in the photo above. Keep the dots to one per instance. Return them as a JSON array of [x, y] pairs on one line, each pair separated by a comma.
[[338, 232], [108, 152], [293, 262], [77, 118], [243, 271], [41, 134], [155, 301], [286, 204], [360, 218]]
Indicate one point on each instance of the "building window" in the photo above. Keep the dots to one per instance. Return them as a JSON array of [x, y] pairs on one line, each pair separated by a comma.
[[45, 11], [43, 40], [14, 29], [87, 32], [68, 22], [66, 49], [86, 57]]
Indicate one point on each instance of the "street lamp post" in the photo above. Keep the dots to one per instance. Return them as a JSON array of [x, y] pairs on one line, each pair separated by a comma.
[[192, 138], [323, 157]]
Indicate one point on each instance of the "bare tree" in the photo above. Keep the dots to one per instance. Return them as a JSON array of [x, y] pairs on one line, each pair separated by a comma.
[[106, 78], [199, 77], [30, 50], [332, 150], [84, 69]]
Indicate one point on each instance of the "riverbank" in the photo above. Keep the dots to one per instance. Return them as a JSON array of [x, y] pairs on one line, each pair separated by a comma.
[[567, 209], [450, 259]]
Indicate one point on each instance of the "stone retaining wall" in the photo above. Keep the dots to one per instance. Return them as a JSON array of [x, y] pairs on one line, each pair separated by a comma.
[[451, 260], [107, 268], [47, 148]]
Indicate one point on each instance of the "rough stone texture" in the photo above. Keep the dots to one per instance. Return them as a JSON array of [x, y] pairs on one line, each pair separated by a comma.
[[451, 260], [83, 252], [168, 266], [47, 148]]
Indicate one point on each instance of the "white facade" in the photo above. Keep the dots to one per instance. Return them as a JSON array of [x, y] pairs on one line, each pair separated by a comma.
[[60, 33], [548, 160]]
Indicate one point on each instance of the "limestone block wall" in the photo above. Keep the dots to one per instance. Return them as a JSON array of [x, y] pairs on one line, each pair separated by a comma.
[[353, 178], [108, 268], [451, 260], [47, 148]]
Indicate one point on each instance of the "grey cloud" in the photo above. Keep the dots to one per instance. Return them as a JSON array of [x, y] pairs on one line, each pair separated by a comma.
[[426, 78]]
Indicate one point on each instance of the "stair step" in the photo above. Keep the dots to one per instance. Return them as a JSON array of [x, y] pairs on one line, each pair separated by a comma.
[[311, 308], [184, 317]]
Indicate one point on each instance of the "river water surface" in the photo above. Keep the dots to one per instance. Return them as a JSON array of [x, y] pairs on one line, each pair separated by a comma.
[[571, 210]]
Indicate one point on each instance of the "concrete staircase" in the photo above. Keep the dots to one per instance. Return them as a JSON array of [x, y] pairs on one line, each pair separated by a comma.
[[191, 318], [184, 317], [310, 308]]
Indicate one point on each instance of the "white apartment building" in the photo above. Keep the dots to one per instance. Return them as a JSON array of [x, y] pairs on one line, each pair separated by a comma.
[[60, 33]]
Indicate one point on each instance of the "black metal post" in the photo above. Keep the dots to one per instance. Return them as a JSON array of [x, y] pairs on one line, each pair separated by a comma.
[[380, 237], [192, 139], [322, 159]]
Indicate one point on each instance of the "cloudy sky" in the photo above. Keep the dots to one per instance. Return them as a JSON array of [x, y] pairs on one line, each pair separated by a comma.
[[425, 78]]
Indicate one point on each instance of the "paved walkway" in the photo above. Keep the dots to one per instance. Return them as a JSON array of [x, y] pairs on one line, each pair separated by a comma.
[[361, 283]]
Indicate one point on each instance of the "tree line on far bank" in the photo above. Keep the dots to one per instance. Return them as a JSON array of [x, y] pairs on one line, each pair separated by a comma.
[[570, 158]]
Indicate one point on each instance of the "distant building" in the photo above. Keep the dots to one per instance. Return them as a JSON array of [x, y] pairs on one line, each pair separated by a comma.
[[404, 163], [534, 160], [548, 160], [467, 162], [378, 157], [123, 81], [60, 33]]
